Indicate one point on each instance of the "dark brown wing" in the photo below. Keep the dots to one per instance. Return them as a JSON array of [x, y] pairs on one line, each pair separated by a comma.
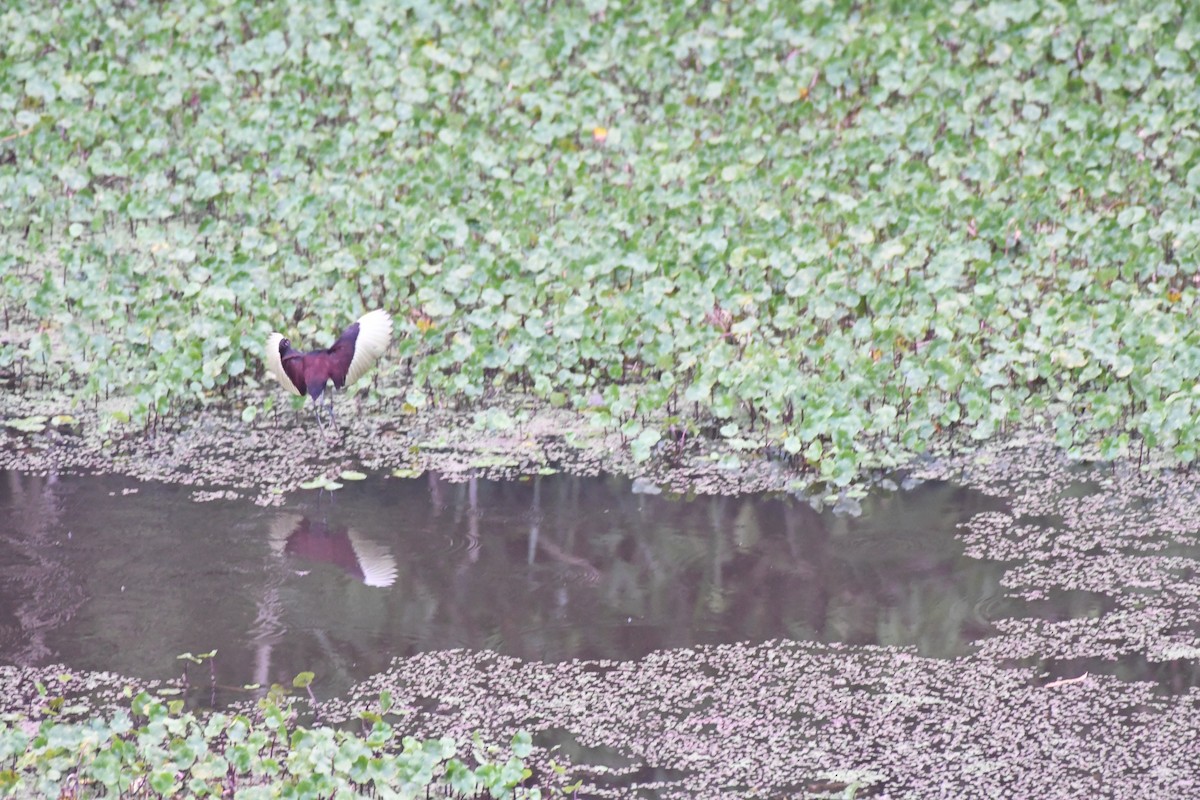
[[279, 352], [342, 354], [293, 367]]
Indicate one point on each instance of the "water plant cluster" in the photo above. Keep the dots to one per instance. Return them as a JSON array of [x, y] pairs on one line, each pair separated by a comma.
[[837, 229], [159, 750]]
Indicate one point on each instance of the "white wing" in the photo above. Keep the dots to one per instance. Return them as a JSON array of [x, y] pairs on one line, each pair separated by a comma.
[[275, 364], [374, 336], [374, 559], [279, 530]]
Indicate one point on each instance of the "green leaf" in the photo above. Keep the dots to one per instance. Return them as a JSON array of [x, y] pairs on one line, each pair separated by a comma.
[[34, 424], [643, 445], [522, 744], [1131, 216], [162, 780], [407, 472]]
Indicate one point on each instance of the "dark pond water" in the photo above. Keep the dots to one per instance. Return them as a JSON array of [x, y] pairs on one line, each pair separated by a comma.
[[107, 573]]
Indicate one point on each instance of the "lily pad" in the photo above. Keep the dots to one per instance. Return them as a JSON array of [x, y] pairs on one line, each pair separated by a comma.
[[34, 424]]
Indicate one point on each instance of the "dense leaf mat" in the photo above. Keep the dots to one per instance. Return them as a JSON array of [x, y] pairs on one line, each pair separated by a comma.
[[841, 229]]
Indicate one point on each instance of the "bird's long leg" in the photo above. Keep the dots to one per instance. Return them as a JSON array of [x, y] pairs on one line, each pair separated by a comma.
[[332, 418], [317, 411]]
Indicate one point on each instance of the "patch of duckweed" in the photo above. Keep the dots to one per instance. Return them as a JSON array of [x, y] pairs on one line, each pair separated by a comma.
[[1130, 536], [756, 720]]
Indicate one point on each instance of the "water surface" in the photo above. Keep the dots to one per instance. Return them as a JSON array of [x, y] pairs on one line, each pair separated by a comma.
[[107, 573]]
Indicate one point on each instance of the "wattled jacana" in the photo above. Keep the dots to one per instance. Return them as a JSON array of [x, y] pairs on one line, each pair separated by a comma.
[[354, 352], [363, 558]]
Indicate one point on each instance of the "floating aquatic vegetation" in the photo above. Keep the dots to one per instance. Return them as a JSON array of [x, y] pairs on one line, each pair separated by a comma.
[[739, 719], [154, 745]]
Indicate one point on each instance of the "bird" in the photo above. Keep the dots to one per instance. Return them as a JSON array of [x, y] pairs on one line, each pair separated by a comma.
[[360, 557], [354, 352]]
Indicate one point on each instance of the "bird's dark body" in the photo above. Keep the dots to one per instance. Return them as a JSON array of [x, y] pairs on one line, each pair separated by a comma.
[[316, 541], [309, 372]]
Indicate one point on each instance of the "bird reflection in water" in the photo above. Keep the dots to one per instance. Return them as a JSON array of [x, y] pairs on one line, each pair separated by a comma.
[[317, 541], [291, 537]]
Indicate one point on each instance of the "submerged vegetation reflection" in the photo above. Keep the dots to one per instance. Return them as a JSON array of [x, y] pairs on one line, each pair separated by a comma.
[[547, 568]]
